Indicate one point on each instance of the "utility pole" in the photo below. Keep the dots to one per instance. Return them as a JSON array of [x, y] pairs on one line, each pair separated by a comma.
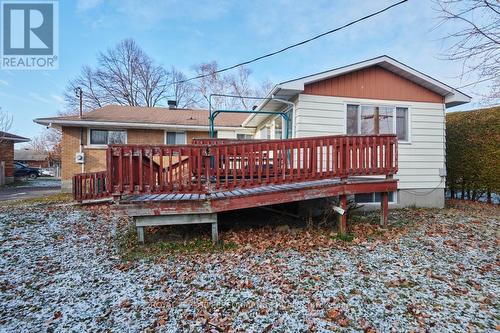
[[79, 94]]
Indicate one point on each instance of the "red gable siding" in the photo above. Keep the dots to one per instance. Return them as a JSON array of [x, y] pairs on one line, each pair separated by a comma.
[[375, 83]]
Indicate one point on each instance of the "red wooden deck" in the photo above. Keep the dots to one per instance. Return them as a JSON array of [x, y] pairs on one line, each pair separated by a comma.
[[220, 201], [216, 175]]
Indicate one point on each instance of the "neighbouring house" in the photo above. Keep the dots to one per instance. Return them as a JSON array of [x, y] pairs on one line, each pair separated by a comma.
[[32, 158], [49, 162], [7, 141], [84, 140], [379, 95]]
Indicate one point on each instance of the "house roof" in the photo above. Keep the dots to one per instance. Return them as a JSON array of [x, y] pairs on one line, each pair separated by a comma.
[[289, 89], [29, 155], [4, 136], [145, 117]]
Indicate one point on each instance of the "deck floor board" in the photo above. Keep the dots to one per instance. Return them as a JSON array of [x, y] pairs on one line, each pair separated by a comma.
[[239, 192]]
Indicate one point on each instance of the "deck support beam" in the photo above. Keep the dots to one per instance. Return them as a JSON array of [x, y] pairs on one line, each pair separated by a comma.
[[215, 232], [384, 208], [140, 234], [343, 217], [176, 219]]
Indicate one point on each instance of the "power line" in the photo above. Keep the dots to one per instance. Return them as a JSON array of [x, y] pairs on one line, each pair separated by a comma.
[[294, 45], [473, 83]]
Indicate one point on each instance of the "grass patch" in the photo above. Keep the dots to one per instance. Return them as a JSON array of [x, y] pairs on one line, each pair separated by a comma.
[[345, 238], [131, 249], [49, 199]]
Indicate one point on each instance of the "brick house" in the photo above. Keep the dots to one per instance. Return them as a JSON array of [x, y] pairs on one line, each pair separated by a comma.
[[91, 133], [7, 141], [32, 158]]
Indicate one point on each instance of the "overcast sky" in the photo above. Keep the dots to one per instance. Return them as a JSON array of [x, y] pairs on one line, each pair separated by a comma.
[[183, 33]]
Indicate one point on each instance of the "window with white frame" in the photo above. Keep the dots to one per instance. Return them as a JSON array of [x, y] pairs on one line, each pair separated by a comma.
[[371, 119], [241, 136], [373, 197], [175, 138], [107, 137]]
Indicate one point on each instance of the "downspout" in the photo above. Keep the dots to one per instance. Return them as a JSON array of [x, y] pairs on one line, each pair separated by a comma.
[[79, 94], [290, 104]]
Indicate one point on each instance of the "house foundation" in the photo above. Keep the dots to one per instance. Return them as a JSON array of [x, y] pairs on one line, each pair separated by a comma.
[[425, 198]]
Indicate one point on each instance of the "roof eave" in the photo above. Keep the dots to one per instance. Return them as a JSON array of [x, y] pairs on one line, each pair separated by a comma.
[[86, 123], [15, 140]]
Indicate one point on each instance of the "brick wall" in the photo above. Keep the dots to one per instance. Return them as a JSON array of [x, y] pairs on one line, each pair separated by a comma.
[[145, 136], [7, 155], [95, 158], [70, 145]]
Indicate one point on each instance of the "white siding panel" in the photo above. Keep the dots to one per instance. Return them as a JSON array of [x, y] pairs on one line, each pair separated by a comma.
[[332, 128], [226, 134], [419, 160]]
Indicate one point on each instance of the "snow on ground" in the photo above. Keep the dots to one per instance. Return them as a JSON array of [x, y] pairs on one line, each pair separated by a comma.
[[435, 270]]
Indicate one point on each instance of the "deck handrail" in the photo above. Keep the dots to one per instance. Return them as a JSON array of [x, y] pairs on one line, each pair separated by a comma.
[[90, 185], [205, 166]]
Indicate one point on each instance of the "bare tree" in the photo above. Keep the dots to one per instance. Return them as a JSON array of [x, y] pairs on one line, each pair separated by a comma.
[[5, 122], [47, 141], [211, 82], [125, 75], [237, 84], [92, 98], [181, 90], [264, 88], [475, 37]]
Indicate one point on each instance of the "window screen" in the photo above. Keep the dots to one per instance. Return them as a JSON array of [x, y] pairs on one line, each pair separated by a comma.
[[176, 138], [116, 137], [244, 136], [385, 119], [98, 137], [368, 119], [402, 123], [371, 197], [104, 137], [352, 119]]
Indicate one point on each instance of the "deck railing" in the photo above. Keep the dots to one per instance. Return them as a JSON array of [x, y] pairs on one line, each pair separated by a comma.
[[88, 186], [209, 165]]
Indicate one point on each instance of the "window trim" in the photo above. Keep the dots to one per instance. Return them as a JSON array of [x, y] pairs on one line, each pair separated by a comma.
[[170, 131], [393, 106], [102, 146]]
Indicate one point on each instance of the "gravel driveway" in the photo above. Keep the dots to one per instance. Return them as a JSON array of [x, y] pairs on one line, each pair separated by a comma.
[[437, 270]]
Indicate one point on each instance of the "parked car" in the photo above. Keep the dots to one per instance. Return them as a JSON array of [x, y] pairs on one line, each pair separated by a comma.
[[21, 170], [47, 172]]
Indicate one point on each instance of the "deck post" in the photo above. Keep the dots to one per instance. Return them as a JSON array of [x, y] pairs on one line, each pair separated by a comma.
[[343, 217], [215, 232], [384, 208], [140, 234]]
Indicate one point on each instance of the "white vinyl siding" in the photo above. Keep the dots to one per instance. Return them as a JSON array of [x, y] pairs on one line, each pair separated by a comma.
[[419, 160]]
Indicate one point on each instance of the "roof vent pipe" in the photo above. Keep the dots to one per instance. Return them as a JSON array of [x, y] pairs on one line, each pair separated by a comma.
[[172, 104]]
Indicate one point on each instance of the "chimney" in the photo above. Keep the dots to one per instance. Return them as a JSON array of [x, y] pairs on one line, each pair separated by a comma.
[[172, 104]]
